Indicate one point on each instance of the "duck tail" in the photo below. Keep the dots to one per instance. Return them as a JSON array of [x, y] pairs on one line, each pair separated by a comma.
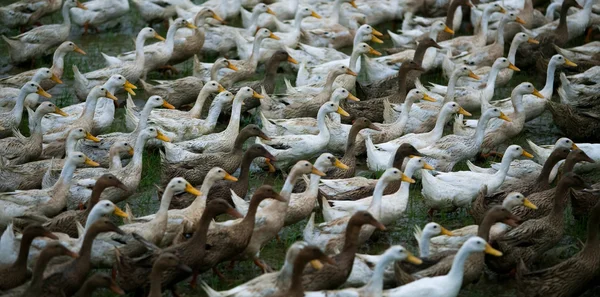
[[130, 111], [458, 124], [130, 217], [196, 69], [536, 149], [241, 205], [210, 292], [309, 229], [418, 233], [288, 87], [48, 180], [521, 269], [12, 43], [80, 230], [388, 111], [269, 127], [149, 88], [110, 60]]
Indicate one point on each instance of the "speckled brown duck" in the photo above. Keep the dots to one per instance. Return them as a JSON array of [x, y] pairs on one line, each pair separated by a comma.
[[581, 124], [331, 276], [571, 277], [195, 170], [222, 188], [441, 263], [66, 221], [96, 282], [17, 273]]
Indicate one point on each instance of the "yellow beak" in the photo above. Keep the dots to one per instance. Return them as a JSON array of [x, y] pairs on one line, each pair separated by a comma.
[[492, 251], [537, 94], [91, 137], [191, 26], [428, 167], [56, 79], [292, 60], [130, 91], [502, 10], [269, 11], [129, 87], [474, 76], [231, 66], [317, 172], [428, 98], [513, 67], [464, 112], [257, 95], [570, 63], [526, 154], [520, 21], [528, 204], [274, 36], [43, 93], [407, 179], [157, 36], [350, 72], [110, 96], [533, 41], [342, 112], [161, 136], [314, 14], [190, 189], [79, 5], [120, 213], [448, 30], [375, 39], [374, 52], [167, 105], [316, 264], [60, 112], [352, 97], [446, 232], [504, 117], [271, 167], [230, 177], [353, 4], [217, 17], [340, 165], [377, 33], [89, 162], [130, 151], [79, 50], [574, 147], [414, 260]]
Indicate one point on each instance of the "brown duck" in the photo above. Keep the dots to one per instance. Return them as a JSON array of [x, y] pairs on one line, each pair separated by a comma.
[[441, 263], [17, 274], [165, 261], [331, 276], [195, 170], [98, 281], [66, 221], [70, 276], [454, 5], [534, 237], [571, 277], [53, 249]]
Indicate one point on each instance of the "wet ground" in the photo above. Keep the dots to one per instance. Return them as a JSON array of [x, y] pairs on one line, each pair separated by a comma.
[[120, 39]]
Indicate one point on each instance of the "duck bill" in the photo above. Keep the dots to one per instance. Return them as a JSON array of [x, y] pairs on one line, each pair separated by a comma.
[[161, 136], [257, 95], [350, 72], [378, 225], [474, 76], [43, 93], [157, 36], [220, 88], [428, 167], [217, 17], [91, 137], [428, 98], [316, 264], [190, 189], [234, 213], [377, 33], [376, 40], [269, 11], [513, 67], [123, 187], [264, 136], [407, 179], [352, 97], [520, 21], [130, 151], [532, 41], [353, 4], [279, 198], [574, 147], [128, 84], [231, 66], [374, 52], [90, 162], [504, 117], [373, 127], [130, 91], [50, 235], [270, 165], [413, 260], [56, 79], [111, 96], [119, 212], [273, 36], [79, 50], [447, 232], [570, 63], [537, 94], [502, 10], [292, 60], [317, 172], [60, 112], [527, 203], [73, 255], [492, 251], [526, 154], [116, 289], [340, 165], [464, 112], [342, 112], [448, 30], [191, 26], [167, 105], [184, 268], [230, 177], [81, 6], [315, 15]]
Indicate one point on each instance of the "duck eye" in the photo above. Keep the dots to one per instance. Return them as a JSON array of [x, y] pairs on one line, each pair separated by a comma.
[[434, 227]]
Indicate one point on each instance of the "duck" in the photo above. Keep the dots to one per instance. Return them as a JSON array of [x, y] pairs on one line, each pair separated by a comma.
[[39, 40], [20, 13], [72, 276], [449, 190], [9, 95], [52, 250], [534, 237], [453, 17], [357, 187], [85, 120], [542, 152], [392, 207], [451, 149], [105, 108], [57, 68], [378, 156], [288, 148], [83, 82], [98, 281], [212, 71], [99, 13], [65, 221], [575, 272], [17, 274], [20, 149], [180, 126], [451, 283], [215, 142], [156, 11], [195, 166], [48, 202], [12, 119], [165, 262], [569, 118]]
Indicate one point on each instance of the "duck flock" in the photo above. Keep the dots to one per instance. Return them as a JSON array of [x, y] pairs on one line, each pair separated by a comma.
[[320, 117]]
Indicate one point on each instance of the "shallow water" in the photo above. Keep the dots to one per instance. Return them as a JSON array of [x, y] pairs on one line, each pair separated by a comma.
[[120, 39]]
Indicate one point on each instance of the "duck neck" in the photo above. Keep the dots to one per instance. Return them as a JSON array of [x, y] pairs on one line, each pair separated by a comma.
[[375, 285], [24, 251], [484, 228], [491, 83], [323, 130], [165, 202], [144, 116], [351, 142], [483, 25], [236, 111], [592, 242], [544, 176], [271, 71], [336, 9], [375, 206], [213, 114], [170, 42], [512, 51], [138, 152], [36, 125], [419, 54], [351, 238], [451, 87], [38, 271], [424, 245], [458, 265], [500, 33], [517, 101], [115, 159], [17, 111], [66, 175], [252, 209], [140, 58], [296, 286], [70, 145], [86, 248], [155, 281], [255, 51], [401, 92], [328, 88], [549, 86], [95, 197], [354, 59], [245, 167], [90, 107], [288, 186], [196, 111], [442, 119], [65, 15], [214, 71], [569, 165], [562, 29], [201, 233], [450, 14], [560, 200], [298, 25]]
